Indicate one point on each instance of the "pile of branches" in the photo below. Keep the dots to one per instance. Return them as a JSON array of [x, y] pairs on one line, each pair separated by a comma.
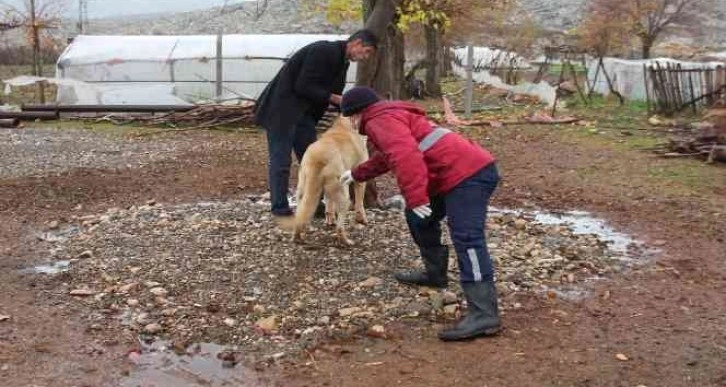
[[205, 117], [708, 143], [201, 117]]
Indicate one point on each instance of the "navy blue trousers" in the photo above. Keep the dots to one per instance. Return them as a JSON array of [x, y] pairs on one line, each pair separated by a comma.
[[465, 207], [281, 142]]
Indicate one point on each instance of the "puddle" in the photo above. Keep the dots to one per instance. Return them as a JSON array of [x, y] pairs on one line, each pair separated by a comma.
[[50, 268], [621, 246], [583, 223], [57, 236], [159, 366]]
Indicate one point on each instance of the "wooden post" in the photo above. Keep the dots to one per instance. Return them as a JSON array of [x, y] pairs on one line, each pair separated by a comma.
[[645, 83], [220, 68], [677, 81], [172, 77], [469, 80], [557, 90], [693, 94], [585, 100], [594, 80]]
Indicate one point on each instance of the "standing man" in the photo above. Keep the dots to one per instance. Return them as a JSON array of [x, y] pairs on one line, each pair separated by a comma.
[[292, 104]]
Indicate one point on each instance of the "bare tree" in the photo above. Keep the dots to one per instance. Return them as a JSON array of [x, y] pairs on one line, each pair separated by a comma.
[[35, 17]]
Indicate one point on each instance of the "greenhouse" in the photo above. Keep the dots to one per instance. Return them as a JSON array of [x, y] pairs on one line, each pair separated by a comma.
[[157, 69]]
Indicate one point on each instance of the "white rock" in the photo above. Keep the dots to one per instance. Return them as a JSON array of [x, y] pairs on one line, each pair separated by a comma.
[[158, 291]]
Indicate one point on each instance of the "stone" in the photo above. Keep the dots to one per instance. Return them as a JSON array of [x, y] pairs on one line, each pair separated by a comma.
[[128, 287], [520, 224], [267, 324], [377, 331], [371, 282], [437, 302], [132, 302], [449, 297], [158, 291], [153, 328], [85, 254], [621, 357], [82, 292], [347, 312], [450, 310], [230, 322]]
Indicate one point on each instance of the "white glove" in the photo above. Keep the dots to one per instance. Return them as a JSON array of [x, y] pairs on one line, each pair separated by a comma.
[[346, 178], [423, 211]]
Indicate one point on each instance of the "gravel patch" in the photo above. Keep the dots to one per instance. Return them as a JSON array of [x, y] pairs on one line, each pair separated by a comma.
[[44, 151], [222, 272]]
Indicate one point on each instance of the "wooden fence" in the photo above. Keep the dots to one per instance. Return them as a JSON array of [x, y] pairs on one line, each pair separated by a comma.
[[670, 89]]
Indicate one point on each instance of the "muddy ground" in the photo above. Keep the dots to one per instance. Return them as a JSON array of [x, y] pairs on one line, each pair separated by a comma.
[[661, 324]]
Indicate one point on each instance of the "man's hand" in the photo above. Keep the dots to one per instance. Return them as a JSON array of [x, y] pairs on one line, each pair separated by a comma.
[[346, 178], [423, 211], [336, 99]]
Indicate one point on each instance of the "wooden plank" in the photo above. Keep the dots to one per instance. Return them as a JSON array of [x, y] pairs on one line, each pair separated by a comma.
[[645, 81]]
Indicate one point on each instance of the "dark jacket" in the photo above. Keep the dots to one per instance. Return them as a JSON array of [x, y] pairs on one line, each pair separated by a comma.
[[395, 130], [303, 85]]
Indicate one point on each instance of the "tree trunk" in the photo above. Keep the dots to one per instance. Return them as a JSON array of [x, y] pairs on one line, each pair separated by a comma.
[[647, 45], [433, 61], [384, 70], [35, 40]]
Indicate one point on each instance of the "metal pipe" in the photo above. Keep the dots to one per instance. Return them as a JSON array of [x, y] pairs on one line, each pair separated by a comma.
[[107, 108], [9, 122], [31, 116]]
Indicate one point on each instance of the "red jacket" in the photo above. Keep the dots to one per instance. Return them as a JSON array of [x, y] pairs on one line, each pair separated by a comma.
[[395, 129]]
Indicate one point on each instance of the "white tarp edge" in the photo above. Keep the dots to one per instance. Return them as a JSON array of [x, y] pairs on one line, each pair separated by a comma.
[[542, 90], [71, 91], [627, 75]]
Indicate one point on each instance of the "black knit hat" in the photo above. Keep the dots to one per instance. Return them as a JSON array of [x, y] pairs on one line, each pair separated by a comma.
[[357, 99]]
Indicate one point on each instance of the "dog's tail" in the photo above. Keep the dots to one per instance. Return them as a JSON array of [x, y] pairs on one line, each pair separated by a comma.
[[308, 192]]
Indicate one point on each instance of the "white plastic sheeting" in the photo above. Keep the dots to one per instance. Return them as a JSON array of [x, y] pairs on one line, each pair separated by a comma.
[[485, 57], [544, 91], [151, 69], [91, 94], [628, 77]]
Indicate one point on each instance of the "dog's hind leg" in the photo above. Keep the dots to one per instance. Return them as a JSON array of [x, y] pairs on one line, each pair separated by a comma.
[[340, 196], [359, 190]]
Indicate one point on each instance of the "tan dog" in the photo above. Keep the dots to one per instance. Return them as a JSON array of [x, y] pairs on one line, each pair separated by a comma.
[[339, 149]]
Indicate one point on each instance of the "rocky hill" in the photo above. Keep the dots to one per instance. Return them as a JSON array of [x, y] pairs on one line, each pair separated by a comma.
[[288, 16]]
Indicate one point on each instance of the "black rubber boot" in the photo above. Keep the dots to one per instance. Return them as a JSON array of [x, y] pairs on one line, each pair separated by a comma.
[[482, 318], [436, 262]]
